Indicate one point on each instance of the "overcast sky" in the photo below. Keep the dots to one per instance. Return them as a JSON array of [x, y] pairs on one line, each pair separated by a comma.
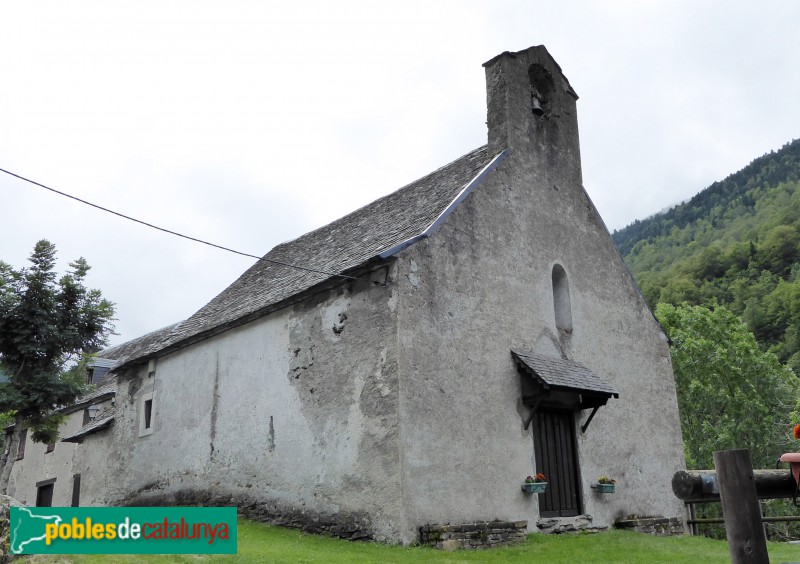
[[250, 123]]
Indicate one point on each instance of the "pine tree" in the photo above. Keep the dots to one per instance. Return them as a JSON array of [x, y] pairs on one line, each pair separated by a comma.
[[46, 324]]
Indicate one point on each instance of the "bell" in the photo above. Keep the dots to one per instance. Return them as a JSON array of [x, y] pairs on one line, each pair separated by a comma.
[[537, 107]]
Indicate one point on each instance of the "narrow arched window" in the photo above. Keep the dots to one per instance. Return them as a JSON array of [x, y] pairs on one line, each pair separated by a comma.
[[561, 302]]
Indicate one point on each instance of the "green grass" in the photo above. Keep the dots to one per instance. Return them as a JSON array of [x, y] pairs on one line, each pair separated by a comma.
[[263, 543]]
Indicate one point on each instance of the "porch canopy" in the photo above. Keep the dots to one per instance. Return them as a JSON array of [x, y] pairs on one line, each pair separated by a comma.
[[561, 383]]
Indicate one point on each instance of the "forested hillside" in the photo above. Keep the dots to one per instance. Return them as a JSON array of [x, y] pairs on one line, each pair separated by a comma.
[[737, 244]]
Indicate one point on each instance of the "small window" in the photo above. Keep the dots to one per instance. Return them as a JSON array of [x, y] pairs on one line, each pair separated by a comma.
[[561, 301], [97, 373], [76, 490], [146, 415], [21, 446]]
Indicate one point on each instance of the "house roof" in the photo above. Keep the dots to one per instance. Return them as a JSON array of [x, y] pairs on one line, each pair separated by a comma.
[[93, 427], [113, 357], [105, 387], [118, 355], [375, 231], [98, 362], [560, 373]]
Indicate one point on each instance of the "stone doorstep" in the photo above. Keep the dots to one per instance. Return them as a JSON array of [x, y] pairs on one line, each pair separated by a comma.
[[559, 525]]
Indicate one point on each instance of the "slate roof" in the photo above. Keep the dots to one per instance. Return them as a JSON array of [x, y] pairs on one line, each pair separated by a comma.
[[376, 230], [113, 357], [106, 386], [97, 425], [560, 373], [98, 362], [135, 348]]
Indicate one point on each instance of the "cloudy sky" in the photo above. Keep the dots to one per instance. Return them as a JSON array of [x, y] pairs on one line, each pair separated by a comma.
[[248, 123]]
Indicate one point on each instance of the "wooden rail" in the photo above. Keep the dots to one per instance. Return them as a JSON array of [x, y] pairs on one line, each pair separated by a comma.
[[701, 486], [738, 487]]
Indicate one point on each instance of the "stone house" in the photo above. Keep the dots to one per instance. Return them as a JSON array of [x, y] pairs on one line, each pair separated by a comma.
[[50, 475], [439, 345]]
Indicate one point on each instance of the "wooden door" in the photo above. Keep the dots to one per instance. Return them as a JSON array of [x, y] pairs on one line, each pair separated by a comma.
[[557, 459], [44, 496]]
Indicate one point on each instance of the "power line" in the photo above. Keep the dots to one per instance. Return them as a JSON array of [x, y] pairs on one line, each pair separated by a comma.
[[196, 240]]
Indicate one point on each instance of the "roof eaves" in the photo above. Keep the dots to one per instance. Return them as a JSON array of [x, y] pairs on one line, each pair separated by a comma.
[[182, 343], [558, 373], [93, 427], [87, 401], [437, 223], [209, 321]]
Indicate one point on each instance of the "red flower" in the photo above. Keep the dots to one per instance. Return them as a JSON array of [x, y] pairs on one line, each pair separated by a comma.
[[796, 431]]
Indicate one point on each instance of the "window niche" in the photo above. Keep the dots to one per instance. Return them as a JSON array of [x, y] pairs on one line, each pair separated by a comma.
[[146, 415], [541, 90], [561, 301], [44, 492], [76, 490], [21, 446]]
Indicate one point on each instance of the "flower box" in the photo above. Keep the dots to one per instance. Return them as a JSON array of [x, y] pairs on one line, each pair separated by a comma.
[[534, 487], [604, 488]]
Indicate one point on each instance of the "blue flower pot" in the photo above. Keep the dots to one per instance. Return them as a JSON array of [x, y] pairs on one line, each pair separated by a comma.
[[604, 488], [535, 487]]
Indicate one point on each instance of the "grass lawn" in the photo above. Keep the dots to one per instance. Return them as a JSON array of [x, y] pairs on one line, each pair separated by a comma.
[[263, 543]]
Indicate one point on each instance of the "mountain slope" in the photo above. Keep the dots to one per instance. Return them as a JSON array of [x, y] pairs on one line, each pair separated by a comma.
[[736, 243]]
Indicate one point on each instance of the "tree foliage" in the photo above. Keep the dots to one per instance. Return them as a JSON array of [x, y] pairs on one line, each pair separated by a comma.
[[737, 243], [731, 394], [735, 249], [46, 323]]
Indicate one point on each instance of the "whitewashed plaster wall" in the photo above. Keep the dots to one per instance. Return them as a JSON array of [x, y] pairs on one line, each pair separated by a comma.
[[481, 286], [296, 412]]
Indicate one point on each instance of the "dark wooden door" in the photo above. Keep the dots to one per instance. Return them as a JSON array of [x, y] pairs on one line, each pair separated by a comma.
[[44, 496], [557, 459]]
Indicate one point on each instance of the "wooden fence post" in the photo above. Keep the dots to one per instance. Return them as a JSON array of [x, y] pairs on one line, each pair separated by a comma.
[[740, 508]]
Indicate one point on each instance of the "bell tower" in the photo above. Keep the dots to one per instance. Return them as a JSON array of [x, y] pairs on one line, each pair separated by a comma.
[[531, 108]]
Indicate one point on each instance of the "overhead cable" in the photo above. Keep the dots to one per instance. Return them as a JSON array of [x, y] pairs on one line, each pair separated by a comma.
[[196, 240]]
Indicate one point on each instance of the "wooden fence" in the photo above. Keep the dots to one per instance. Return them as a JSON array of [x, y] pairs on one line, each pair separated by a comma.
[[739, 488]]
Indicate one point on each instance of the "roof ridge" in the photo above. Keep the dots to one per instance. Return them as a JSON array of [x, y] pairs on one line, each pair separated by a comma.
[[376, 200]]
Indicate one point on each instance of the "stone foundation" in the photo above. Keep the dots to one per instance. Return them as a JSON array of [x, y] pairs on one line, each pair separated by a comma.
[[349, 526], [659, 526], [487, 534]]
